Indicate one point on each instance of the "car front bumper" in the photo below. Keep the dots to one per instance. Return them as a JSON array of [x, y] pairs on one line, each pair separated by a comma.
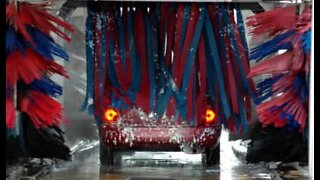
[[159, 138]]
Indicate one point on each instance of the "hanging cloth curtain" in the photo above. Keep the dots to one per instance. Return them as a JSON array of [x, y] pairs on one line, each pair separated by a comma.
[[179, 60]]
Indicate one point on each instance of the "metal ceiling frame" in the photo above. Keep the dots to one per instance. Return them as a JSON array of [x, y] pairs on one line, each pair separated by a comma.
[[70, 5], [254, 5]]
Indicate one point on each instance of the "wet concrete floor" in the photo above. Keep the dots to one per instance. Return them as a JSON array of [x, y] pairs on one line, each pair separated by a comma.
[[157, 166]]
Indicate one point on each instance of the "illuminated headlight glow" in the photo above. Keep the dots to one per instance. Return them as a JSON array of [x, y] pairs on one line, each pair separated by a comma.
[[210, 115], [111, 114]]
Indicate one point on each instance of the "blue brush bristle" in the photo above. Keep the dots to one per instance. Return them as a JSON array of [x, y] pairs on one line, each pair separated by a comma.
[[300, 86], [264, 88], [271, 46], [306, 42], [45, 45], [46, 86], [12, 41], [291, 122]]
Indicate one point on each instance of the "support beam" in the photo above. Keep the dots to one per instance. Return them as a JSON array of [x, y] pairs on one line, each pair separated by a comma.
[[70, 5]]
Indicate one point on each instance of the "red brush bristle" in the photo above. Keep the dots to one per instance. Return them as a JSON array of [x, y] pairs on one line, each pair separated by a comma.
[[273, 65], [29, 67], [23, 67], [293, 106], [272, 21], [42, 109], [10, 114], [35, 15]]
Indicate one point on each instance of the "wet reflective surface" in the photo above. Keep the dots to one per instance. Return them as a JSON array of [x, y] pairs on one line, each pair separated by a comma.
[[157, 165]]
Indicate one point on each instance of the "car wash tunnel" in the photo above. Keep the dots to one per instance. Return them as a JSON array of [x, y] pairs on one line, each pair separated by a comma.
[[158, 90]]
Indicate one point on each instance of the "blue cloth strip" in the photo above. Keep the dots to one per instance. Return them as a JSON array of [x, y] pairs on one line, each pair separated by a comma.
[[192, 51], [151, 67], [194, 118], [136, 65], [90, 61], [121, 40], [186, 15], [242, 111], [240, 26], [102, 61], [216, 60], [190, 61], [113, 77], [230, 32]]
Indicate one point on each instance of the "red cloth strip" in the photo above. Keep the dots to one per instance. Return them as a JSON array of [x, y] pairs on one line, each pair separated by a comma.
[[177, 42], [247, 101], [170, 39], [231, 75], [128, 71], [143, 96], [202, 79], [212, 8], [164, 18], [107, 84], [242, 52], [189, 94], [171, 108], [193, 19], [97, 45]]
